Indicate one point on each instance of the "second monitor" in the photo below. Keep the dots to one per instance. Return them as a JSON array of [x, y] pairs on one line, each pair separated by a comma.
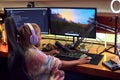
[[72, 21]]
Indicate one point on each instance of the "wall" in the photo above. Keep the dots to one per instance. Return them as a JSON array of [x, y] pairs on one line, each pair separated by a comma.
[[101, 5], [104, 12]]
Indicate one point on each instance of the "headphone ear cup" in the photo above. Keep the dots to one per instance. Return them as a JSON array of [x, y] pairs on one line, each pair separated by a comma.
[[33, 38]]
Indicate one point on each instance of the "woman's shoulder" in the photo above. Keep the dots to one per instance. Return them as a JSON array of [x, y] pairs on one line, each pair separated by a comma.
[[32, 51], [34, 54]]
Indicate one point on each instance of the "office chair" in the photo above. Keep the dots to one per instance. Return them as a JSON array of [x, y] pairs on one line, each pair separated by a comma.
[[16, 67]]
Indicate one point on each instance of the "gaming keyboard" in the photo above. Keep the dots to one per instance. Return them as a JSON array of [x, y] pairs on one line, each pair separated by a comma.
[[96, 58]]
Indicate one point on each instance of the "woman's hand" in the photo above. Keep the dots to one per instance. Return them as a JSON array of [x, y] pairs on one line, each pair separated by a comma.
[[83, 60]]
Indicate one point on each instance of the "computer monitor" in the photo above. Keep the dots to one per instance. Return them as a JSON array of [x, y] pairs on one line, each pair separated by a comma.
[[72, 21], [29, 15]]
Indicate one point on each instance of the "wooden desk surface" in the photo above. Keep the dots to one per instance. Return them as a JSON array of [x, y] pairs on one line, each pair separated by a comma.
[[97, 70]]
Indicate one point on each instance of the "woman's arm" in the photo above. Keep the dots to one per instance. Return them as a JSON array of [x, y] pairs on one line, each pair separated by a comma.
[[75, 62]]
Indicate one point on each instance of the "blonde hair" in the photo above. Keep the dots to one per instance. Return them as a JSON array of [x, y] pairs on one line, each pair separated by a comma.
[[25, 33]]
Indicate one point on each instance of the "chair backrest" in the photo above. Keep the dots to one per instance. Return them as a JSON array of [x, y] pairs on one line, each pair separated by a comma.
[[11, 32], [16, 63]]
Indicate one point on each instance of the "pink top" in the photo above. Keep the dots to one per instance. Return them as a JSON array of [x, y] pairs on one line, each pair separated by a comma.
[[41, 66]]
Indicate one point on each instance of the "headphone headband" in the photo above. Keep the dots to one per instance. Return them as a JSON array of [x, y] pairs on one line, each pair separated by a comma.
[[30, 26], [33, 37]]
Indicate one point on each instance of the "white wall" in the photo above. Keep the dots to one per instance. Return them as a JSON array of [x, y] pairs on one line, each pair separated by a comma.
[[101, 5]]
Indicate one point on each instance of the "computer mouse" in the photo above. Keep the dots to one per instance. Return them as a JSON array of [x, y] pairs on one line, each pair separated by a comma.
[[89, 57], [84, 55]]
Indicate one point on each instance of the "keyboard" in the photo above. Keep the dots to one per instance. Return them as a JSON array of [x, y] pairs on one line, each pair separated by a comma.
[[96, 58]]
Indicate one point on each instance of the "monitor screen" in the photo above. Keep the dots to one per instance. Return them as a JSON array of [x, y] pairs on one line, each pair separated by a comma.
[[29, 15], [72, 21]]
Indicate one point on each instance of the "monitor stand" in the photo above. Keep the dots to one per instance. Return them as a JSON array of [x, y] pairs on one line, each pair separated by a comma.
[[74, 39], [71, 46], [78, 40]]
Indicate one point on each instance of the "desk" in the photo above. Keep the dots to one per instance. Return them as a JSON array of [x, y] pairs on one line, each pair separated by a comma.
[[95, 70], [98, 70]]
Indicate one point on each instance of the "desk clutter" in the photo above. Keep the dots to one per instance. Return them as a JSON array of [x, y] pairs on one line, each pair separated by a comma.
[[70, 54], [48, 47]]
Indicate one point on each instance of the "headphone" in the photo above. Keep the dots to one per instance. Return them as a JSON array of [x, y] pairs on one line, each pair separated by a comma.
[[33, 38]]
